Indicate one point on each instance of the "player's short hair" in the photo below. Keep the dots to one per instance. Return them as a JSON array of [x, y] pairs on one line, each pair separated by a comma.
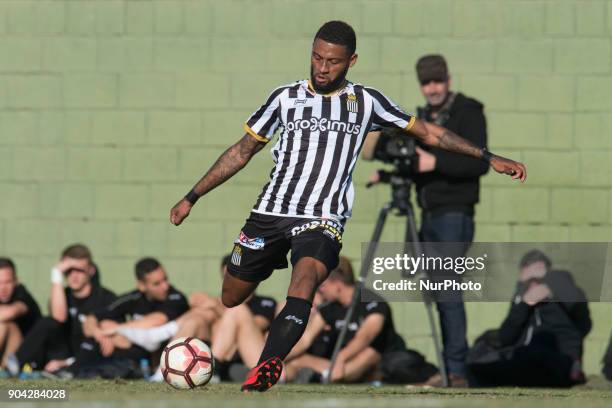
[[338, 32], [533, 256], [146, 266], [77, 251], [343, 272], [8, 263]]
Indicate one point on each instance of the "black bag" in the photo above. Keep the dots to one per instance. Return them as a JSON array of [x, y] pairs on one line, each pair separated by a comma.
[[487, 349], [108, 368], [406, 367]]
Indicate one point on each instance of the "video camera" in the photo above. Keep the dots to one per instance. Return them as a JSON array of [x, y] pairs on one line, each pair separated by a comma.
[[395, 147]]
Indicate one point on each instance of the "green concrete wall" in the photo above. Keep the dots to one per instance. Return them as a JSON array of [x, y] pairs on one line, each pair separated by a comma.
[[110, 110]]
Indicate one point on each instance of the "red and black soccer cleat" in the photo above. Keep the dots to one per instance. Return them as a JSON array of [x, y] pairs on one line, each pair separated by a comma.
[[264, 376]]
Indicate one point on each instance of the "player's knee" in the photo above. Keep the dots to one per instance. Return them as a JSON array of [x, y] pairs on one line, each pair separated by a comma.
[[371, 355]]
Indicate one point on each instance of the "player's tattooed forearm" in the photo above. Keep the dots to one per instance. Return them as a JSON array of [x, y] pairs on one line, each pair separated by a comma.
[[451, 142], [228, 164]]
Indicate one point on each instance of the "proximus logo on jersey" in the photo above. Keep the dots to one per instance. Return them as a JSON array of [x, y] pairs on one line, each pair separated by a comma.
[[323, 125]]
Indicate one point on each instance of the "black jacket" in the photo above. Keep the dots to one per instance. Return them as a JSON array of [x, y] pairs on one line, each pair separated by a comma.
[[454, 182], [566, 317]]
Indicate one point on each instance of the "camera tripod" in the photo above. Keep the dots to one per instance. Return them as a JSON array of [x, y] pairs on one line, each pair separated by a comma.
[[400, 201]]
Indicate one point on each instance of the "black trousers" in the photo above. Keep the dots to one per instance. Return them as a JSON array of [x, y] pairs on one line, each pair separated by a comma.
[[47, 340]]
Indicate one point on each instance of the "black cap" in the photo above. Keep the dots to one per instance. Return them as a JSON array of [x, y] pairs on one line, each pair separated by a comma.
[[432, 68]]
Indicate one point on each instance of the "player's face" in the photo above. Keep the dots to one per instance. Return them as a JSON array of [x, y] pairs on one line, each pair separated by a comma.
[[79, 273], [329, 64], [155, 285], [435, 91], [7, 284]]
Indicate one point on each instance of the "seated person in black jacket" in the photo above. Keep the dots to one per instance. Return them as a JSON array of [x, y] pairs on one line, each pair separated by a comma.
[[541, 339], [54, 342], [18, 310], [153, 303]]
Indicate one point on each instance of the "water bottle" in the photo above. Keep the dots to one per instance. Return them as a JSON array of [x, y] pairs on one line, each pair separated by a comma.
[[145, 368]]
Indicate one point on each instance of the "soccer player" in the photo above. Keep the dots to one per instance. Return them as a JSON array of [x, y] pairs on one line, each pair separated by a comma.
[[303, 208]]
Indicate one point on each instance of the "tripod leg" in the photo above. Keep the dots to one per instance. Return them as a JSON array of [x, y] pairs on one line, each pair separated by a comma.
[[413, 237], [380, 224]]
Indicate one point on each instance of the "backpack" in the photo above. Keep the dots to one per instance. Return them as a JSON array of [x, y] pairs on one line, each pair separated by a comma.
[[487, 349]]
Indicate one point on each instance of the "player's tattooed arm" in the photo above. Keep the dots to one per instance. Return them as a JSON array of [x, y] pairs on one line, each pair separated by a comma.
[[228, 164], [437, 136], [443, 138]]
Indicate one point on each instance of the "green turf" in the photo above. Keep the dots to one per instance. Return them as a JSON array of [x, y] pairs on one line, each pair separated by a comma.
[[136, 394]]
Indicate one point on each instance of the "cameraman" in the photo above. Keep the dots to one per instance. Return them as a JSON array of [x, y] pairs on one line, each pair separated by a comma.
[[447, 186], [447, 189]]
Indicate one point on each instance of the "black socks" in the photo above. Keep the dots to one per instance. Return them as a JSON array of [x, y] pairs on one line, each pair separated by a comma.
[[286, 329]]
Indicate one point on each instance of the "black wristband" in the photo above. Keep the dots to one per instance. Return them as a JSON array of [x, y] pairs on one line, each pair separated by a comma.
[[486, 155], [192, 197]]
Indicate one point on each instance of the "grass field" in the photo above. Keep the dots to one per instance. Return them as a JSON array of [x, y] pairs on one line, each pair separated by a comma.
[[136, 394]]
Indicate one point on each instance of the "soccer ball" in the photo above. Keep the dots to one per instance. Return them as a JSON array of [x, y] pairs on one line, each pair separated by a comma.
[[186, 363]]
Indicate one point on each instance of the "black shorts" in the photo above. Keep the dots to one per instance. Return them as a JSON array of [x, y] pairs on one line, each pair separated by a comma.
[[265, 240]]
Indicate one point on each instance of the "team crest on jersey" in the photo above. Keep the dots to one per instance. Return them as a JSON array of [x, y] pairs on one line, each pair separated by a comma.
[[236, 255], [351, 103], [251, 243]]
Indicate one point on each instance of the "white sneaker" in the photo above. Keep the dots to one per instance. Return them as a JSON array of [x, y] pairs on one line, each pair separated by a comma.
[[12, 365], [156, 377]]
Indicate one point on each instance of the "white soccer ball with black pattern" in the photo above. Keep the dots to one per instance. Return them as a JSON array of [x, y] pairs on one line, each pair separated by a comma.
[[186, 363]]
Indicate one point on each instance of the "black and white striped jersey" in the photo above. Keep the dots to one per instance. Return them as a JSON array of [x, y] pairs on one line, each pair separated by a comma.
[[319, 143]]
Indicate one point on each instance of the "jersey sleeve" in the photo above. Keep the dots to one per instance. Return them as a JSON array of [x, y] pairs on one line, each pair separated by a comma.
[[175, 305], [328, 313], [263, 306], [265, 121], [23, 295], [386, 113], [377, 307]]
